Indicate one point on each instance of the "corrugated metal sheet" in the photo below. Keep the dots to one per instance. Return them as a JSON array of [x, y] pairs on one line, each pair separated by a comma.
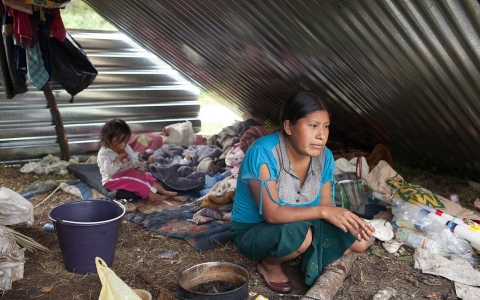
[[132, 84], [399, 72]]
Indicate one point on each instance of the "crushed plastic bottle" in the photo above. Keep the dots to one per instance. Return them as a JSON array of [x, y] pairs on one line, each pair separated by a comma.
[[417, 239]]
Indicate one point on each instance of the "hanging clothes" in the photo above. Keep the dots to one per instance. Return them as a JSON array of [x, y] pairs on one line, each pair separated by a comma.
[[14, 75], [41, 23], [19, 5], [57, 28], [37, 75], [21, 26]]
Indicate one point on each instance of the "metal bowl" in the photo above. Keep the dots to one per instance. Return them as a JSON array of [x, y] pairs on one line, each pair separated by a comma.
[[214, 280]]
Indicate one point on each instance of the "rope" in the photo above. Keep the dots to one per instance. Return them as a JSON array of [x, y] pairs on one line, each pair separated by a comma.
[[61, 184]]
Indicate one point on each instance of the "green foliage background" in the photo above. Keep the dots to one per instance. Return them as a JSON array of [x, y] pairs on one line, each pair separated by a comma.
[[78, 15]]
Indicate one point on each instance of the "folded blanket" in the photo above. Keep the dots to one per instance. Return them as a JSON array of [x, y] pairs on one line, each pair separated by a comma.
[[168, 155], [178, 177], [200, 152], [212, 214]]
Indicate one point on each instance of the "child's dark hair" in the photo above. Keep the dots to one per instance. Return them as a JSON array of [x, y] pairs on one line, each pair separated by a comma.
[[300, 105], [115, 128]]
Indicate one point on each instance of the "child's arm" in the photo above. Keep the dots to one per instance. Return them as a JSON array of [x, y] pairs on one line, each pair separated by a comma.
[[133, 157], [109, 164]]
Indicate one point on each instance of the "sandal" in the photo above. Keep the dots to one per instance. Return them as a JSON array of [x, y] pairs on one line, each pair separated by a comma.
[[279, 287]]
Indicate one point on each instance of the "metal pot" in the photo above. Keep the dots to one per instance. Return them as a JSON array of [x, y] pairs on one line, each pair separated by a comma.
[[214, 280]]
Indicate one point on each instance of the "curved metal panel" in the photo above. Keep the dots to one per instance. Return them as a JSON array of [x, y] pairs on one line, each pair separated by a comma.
[[132, 84], [399, 72]]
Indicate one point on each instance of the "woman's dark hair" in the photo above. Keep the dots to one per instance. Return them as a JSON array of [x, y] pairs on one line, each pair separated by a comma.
[[300, 105], [115, 128]]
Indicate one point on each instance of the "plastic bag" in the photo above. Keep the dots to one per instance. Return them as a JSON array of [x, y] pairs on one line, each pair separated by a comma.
[[113, 288], [423, 222], [179, 134], [14, 209], [12, 260], [349, 190], [71, 67], [49, 164]]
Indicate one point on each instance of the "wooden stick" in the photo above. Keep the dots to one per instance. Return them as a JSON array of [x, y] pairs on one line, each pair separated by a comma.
[[164, 293], [26, 241], [331, 280], [63, 183], [57, 121]]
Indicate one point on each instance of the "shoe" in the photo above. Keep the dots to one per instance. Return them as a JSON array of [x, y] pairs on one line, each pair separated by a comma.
[[38, 187], [279, 287]]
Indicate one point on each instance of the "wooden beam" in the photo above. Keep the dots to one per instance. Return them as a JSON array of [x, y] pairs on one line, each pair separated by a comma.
[[57, 121], [332, 278]]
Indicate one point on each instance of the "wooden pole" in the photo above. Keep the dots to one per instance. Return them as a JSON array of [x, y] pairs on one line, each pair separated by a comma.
[[332, 278], [57, 121]]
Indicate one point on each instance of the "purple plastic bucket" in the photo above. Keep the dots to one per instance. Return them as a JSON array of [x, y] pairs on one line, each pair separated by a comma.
[[87, 229]]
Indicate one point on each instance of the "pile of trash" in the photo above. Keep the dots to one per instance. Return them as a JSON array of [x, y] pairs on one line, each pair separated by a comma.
[[14, 209], [446, 237]]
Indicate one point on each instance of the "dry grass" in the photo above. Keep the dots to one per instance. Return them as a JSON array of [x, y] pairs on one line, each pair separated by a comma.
[[137, 262]]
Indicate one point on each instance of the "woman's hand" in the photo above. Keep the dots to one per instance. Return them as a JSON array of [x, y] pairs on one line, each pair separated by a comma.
[[348, 221]]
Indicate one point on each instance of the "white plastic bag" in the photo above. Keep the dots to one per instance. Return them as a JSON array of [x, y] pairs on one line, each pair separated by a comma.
[[113, 288], [12, 260], [49, 164], [14, 209], [179, 134]]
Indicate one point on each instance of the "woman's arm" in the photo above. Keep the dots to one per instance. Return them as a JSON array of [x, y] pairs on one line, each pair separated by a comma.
[[278, 214]]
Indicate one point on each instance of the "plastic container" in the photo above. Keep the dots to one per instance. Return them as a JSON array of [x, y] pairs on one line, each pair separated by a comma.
[[87, 229], [454, 198], [417, 239], [48, 227]]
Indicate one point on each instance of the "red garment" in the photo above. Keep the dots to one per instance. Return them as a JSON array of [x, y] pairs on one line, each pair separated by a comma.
[[250, 136], [133, 181], [22, 28], [57, 29]]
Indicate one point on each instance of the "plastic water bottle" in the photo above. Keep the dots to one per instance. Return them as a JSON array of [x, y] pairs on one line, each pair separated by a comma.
[[417, 239]]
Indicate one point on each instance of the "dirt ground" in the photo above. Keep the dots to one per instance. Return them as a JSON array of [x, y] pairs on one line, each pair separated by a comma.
[[137, 260]]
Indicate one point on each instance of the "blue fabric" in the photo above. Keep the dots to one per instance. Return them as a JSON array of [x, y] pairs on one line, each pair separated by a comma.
[[204, 191], [211, 180], [226, 173], [84, 189], [173, 223], [37, 75]]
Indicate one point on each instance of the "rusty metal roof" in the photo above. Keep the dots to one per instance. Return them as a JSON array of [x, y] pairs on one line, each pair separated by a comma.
[[398, 72]]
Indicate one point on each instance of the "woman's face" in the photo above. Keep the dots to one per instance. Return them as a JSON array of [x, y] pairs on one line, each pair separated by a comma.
[[310, 134], [118, 144]]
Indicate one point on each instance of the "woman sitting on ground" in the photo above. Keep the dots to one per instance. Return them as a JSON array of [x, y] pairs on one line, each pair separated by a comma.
[[283, 205]]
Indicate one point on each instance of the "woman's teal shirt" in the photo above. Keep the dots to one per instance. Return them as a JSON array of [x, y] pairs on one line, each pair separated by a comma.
[[270, 150]]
